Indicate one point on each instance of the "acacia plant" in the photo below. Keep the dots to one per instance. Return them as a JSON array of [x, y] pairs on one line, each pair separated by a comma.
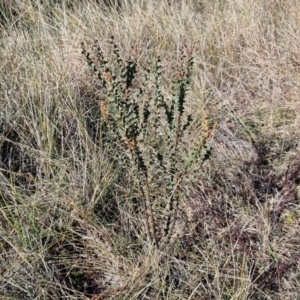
[[145, 130]]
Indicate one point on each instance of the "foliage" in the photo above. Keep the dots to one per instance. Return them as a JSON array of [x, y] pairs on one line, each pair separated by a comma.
[[149, 129]]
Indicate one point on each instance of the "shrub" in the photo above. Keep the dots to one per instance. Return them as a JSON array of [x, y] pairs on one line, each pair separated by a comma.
[[145, 132]]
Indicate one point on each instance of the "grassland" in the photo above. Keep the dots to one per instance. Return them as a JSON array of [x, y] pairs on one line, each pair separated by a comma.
[[71, 226]]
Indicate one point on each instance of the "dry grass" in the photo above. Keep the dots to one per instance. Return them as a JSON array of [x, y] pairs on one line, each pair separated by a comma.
[[69, 228]]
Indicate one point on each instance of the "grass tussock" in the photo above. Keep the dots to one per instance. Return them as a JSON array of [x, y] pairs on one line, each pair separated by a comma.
[[73, 222]]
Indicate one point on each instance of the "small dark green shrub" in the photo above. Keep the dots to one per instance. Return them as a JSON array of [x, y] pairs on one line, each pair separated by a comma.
[[145, 132]]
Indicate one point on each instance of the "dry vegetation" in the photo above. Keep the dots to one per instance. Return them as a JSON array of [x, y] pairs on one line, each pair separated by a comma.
[[71, 225]]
